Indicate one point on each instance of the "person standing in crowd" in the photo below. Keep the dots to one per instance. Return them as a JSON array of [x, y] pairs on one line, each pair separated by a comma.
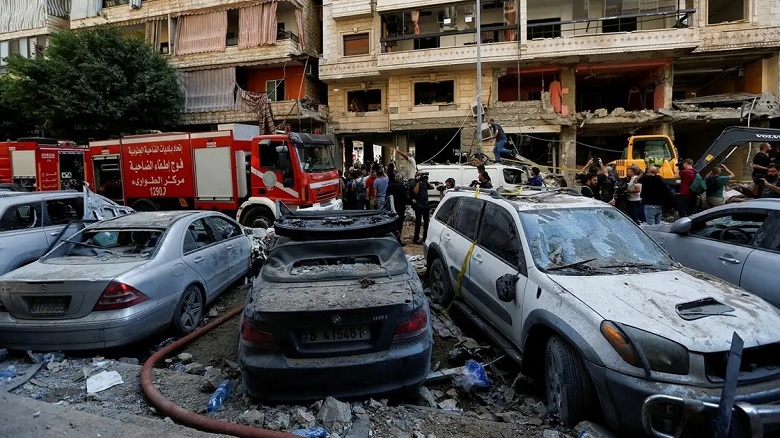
[[342, 185], [686, 199], [535, 177], [715, 182], [634, 201], [588, 190], [350, 192], [770, 183], [761, 163], [400, 197], [422, 212], [380, 187], [654, 194], [484, 180], [499, 141], [448, 184], [391, 172], [370, 193]]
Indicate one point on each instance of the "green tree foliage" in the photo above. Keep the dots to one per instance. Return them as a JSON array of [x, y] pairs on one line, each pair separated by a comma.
[[91, 83]]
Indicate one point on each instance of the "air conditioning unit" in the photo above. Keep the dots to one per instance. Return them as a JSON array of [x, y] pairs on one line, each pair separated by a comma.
[[474, 109]]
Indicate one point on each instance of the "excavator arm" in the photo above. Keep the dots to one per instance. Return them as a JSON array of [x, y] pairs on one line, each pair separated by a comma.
[[732, 138]]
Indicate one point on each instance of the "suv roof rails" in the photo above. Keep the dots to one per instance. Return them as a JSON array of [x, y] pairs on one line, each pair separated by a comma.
[[525, 192]]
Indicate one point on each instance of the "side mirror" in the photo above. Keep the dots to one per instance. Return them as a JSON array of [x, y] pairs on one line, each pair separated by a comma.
[[282, 149], [681, 226], [505, 287]]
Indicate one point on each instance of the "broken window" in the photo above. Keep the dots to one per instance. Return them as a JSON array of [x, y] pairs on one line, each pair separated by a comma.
[[628, 24], [433, 93], [231, 38], [426, 43], [360, 101], [722, 11], [544, 28], [22, 216], [355, 45], [275, 90]]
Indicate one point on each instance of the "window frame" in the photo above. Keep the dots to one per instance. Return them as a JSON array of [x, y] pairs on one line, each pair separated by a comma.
[[381, 99], [721, 214], [208, 230], [746, 18], [38, 224], [277, 84], [77, 200], [520, 262], [477, 221], [354, 36], [216, 235], [450, 201], [454, 91]]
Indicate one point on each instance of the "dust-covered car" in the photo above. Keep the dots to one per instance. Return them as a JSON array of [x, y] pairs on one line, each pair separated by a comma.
[[120, 280], [344, 315]]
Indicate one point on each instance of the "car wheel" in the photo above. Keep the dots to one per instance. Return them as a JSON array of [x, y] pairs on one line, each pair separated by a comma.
[[189, 311], [570, 393], [441, 290], [258, 217]]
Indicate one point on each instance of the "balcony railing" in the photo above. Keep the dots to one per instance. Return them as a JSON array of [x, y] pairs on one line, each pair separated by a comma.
[[542, 29], [287, 35], [448, 38]]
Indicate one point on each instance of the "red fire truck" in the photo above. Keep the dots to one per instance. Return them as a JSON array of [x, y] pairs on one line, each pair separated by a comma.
[[43, 164], [234, 170]]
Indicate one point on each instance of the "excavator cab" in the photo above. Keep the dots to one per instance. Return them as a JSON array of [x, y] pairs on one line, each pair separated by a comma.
[[649, 150]]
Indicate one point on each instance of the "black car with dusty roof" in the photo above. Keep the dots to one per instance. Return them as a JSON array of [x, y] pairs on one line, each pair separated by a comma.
[[336, 311]]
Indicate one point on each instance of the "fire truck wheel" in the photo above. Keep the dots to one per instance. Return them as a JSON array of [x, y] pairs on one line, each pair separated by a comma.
[[144, 205], [259, 217]]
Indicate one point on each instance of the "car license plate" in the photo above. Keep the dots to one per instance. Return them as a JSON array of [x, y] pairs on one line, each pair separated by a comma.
[[337, 334], [49, 306]]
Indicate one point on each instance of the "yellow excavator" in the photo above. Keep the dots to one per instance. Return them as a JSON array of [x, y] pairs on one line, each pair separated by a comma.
[[659, 151]]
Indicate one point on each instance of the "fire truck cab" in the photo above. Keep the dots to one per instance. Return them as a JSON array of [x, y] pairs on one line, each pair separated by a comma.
[[43, 164]]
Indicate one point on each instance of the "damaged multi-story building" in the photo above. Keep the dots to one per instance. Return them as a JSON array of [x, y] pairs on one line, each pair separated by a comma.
[[25, 26], [237, 59], [567, 79]]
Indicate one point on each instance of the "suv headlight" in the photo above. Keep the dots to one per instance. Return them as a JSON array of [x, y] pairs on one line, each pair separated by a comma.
[[638, 347]]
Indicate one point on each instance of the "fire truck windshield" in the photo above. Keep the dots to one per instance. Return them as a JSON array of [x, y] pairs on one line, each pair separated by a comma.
[[316, 158]]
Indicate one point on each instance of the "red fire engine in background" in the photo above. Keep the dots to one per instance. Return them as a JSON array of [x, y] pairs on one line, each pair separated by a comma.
[[233, 170], [44, 164]]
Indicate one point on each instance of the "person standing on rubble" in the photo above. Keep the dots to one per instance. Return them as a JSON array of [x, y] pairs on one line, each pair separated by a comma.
[[422, 211], [400, 195], [499, 141], [654, 194], [380, 187], [411, 165], [716, 182], [686, 199]]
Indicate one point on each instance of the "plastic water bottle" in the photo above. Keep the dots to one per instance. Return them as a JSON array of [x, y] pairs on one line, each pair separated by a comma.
[[219, 396], [314, 432]]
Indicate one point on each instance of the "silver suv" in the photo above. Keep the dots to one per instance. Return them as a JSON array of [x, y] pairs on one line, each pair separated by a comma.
[[592, 307], [31, 222]]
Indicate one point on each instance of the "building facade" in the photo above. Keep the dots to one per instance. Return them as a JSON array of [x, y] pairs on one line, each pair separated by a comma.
[[230, 55], [567, 79], [25, 26]]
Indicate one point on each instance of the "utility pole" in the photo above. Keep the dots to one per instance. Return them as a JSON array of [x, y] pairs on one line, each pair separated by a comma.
[[479, 74]]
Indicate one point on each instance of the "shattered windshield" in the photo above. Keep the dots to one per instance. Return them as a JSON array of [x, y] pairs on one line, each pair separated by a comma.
[[316, 158], [590, 241], [113, 243]]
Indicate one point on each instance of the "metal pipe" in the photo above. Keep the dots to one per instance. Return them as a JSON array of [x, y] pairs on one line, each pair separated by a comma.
[[479, 74]]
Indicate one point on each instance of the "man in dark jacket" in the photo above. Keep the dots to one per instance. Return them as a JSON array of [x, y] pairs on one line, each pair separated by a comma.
[[655, 194], [398, 191], [422, 212]]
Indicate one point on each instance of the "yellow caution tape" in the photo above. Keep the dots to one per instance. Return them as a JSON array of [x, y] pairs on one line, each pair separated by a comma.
[[476, 192], [463, 267]]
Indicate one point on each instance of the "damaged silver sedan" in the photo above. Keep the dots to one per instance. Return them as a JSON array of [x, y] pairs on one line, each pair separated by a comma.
[[120, 280], [335, 317]]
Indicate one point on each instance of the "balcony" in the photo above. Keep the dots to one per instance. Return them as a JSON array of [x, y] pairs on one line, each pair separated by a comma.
[[283, 111], [397, 5], [351, 8], [662, 29], [286, 45], [348, 68], [460, 56], [119, 11]]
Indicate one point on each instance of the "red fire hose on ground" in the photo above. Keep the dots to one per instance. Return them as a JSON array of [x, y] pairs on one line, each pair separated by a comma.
[[191, 419]]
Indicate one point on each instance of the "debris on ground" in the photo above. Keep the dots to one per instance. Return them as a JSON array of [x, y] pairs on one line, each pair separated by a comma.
[[366, 282], [418, 261], [473, 375], [102, 381]]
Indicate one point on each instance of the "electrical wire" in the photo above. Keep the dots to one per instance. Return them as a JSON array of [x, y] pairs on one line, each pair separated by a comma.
[[457, 133], [575, 142]]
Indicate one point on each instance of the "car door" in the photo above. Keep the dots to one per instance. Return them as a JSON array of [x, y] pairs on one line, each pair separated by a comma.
[[22, 239], [758, 274], [58, 213], [201, 252], [234, 244], [710, 247], [457, 239], [497, 254]]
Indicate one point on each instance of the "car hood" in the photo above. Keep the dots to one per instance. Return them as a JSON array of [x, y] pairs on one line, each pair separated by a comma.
[[648, 302], [70, 269]]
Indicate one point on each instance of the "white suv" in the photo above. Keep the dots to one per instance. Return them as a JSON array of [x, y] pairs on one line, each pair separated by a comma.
[[592, 307]]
